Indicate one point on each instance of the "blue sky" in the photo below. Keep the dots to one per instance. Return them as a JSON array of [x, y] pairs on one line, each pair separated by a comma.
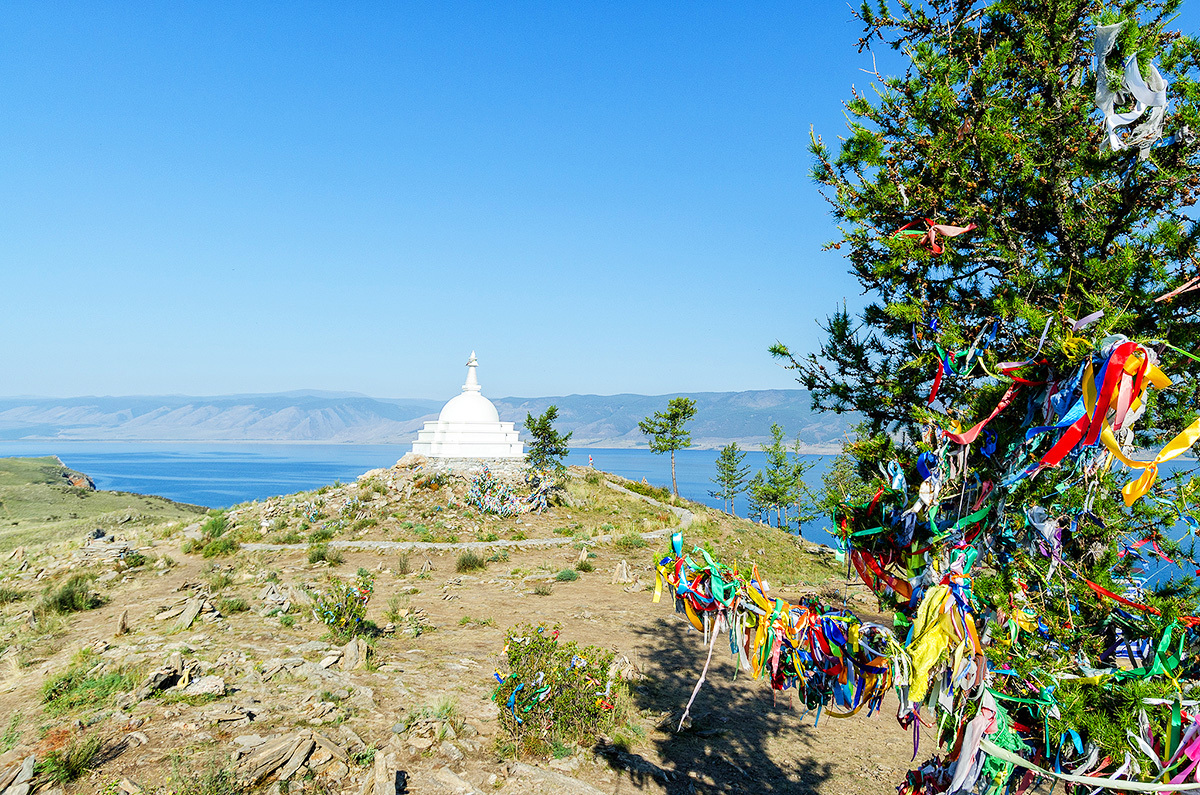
[[247, 197]]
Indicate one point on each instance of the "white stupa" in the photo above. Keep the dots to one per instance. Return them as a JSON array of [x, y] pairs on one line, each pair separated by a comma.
[[469, 427]]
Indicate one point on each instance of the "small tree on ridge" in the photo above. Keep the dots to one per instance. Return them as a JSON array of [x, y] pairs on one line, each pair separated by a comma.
[[732, 474], [666, 432], [547, 447]]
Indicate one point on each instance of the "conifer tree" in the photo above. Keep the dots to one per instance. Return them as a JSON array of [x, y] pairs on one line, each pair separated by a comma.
[[1007, 245], [667, 431], [780, 484], [546, 448], [732, 472]]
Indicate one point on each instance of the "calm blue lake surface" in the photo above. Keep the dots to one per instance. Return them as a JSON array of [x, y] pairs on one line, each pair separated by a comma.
[[220, 475]]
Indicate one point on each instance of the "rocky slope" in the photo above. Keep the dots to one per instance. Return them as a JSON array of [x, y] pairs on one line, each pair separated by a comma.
[[200, 675]]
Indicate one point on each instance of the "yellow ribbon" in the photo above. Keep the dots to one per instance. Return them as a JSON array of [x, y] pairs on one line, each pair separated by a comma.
[[1135, 489]]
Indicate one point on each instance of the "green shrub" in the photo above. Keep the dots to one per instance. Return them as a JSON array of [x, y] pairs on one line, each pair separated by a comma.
[[629, 541], [78, 687], [567, 575], [431, 480], [584, 566], [287, 621], [593, 478], [218, 580], [215, 527], [73, 596], [470, 560], [232, 604], [291, 537], [403, 564], [343, 605], [364, 523], [12, 734], [219, 547], [321, 534], [550, 693], [543, 589], [9, 595], [212, 780], [318, 553], [72, 761], [646, 490], [134, 559]]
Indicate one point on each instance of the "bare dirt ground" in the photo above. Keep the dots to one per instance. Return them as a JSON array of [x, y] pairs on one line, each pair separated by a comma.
[[743, 737]]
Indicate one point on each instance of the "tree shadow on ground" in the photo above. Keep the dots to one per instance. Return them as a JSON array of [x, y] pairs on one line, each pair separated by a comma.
[[743, 736]]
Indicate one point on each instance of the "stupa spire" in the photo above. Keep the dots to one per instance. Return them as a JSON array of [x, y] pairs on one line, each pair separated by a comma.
[[469, 427], [472, 384]]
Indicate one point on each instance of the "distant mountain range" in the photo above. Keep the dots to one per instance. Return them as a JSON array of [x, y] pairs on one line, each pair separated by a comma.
[[310, 416]]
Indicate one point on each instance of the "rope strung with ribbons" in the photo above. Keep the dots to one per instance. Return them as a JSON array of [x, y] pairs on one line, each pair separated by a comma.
[[989, 673]]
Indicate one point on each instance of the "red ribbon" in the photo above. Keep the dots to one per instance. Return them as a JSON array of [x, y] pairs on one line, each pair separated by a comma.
[[969, 436]]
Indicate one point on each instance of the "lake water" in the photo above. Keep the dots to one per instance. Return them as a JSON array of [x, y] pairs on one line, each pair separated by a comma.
[[221, 475]]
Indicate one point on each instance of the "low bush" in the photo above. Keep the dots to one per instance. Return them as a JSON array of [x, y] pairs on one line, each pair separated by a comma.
[[646, 490], [72, 761], [219, 547], [318, 553], [403, 564], [431, 480], [343, 605], [584, 566], [9, 595], [364, 523], [567, 575], [629, 541], [398, 607], [12, 735], [470, 560], [320, 535], [232, 604], [212, 780], [215, 527], [543, 589], [218, 580], [82, 686], [213, 541], [291, 537], [133, 559], [593, 478], [556, 693], [73, 596]]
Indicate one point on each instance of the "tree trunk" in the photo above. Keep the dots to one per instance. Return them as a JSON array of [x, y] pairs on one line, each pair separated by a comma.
[[732, 508], [674, 485]]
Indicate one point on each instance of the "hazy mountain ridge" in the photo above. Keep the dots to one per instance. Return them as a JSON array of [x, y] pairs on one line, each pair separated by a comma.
[[595, 420]]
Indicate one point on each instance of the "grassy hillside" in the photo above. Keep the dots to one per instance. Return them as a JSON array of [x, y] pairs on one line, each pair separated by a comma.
[[38, 504], [204, 661]]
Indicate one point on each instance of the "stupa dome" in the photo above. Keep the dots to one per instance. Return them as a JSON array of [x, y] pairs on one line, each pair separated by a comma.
[[469, 427], [469, 407]]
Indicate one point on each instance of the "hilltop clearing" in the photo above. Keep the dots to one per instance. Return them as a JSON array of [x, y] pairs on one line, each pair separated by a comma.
[[171, 658]]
